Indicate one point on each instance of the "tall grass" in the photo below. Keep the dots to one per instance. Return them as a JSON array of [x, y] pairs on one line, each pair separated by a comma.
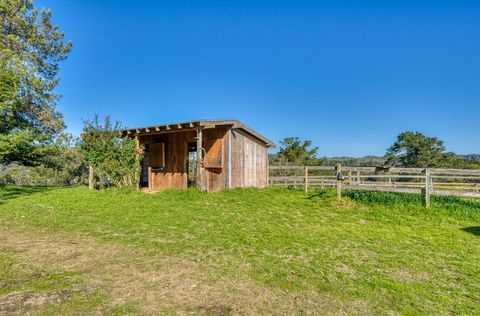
[[392, 199]]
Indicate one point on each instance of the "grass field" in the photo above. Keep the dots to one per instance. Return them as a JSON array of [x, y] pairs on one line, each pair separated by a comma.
[[274, 251]]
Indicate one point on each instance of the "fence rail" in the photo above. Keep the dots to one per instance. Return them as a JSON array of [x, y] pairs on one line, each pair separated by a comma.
[[427, 181]]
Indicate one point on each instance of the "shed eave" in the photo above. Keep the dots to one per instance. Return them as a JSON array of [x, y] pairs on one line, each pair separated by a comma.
[[191, 125]]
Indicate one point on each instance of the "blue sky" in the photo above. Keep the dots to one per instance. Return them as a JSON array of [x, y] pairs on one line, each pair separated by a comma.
[[349, 75]]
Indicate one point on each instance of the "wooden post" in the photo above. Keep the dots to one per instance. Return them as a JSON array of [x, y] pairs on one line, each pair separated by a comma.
[[428, 180], [339, 183], [199, 180], [137, 145], [305, 181], [350, 177], [149, 179], [389, 180], [91, 184], [359, 180], [268, 172]]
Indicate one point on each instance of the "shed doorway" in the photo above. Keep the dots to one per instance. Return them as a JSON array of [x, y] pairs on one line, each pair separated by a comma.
[[145, 164], [191, 164]]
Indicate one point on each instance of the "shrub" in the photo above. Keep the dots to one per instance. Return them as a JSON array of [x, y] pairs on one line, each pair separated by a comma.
[[115, 160], [62, 165]]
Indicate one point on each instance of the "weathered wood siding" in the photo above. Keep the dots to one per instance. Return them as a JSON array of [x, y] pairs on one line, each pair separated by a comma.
[[232, 159], [215, 144], [248, 161], [174, 174]]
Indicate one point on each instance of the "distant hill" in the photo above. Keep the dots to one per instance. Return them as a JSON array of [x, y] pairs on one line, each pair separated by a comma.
[[367, 161], [473, 157]]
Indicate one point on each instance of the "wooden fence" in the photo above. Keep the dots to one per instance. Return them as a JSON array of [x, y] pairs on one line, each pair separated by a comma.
[[427, 181]]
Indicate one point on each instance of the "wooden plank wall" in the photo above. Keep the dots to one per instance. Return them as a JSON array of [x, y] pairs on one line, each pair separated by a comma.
[[175, 174], [215, 160], [176, 154], [248, 161]]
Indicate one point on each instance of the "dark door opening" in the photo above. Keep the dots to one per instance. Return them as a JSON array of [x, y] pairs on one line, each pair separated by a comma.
[[192, 165], [145, 164]]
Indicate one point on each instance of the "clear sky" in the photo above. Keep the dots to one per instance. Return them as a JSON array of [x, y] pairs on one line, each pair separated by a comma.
[[349, 75]]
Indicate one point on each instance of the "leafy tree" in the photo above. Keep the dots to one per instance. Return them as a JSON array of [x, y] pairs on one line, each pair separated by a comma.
[[31, 49], [293, 151], [114, 159], [62, 164], [415, 150]]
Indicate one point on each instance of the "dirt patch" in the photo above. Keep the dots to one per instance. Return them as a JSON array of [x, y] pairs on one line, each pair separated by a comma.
[[34, 276], [408, 277], [18, 303], [342, 268]]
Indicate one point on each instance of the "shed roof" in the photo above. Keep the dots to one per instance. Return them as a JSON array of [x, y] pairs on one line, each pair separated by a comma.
[[179, 126]]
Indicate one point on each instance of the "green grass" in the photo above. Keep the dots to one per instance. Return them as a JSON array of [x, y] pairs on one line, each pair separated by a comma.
[[248, 251]]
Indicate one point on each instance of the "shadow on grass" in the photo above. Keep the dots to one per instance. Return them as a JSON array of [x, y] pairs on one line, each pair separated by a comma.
[[321, 193], [474, 230], [12, 192]]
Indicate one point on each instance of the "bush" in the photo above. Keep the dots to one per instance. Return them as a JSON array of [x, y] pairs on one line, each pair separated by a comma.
[[17, 174], [62, 165], [115, 160]]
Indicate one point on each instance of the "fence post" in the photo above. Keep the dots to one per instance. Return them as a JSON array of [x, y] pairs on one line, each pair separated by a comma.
[[90, 178], [267, 173], [339, 183], [428, 180], [359, 180], [138, 177], [350, 177], [306, 179], [150, 179]]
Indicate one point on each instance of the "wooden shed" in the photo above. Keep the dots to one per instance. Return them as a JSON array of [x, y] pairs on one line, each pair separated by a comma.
[[209, 154]]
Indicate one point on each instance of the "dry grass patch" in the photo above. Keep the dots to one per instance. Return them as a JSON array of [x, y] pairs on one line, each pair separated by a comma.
[[152, 284]]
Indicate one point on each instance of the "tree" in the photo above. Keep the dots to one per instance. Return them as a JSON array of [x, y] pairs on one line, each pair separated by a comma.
[[31, 49], [415, 150], [62, 164], [295, 152], [114, 159]]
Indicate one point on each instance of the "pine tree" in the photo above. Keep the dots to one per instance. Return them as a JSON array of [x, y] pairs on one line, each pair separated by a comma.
[[31, 49]]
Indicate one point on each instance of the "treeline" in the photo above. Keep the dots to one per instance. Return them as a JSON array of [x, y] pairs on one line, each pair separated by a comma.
[[410, 150]]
